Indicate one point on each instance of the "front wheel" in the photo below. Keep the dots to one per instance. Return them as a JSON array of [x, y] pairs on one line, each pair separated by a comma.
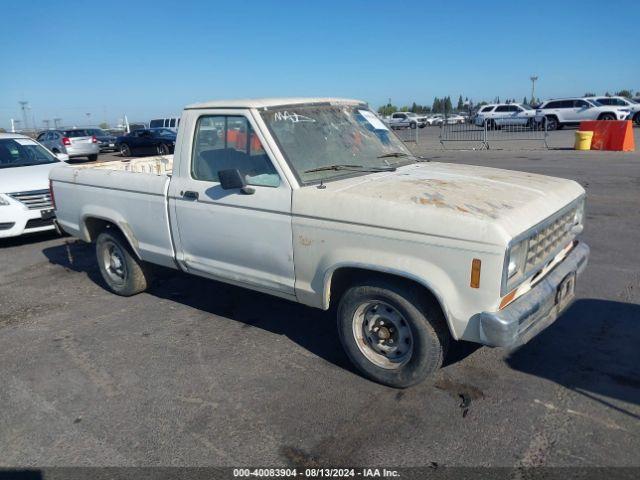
[[125, 151], [551, 123], [607, 116], [390, 333], [121, 270], [413, 125]]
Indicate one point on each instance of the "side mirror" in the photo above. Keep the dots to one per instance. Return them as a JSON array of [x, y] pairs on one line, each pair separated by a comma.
[[232, 179], [63, 157]]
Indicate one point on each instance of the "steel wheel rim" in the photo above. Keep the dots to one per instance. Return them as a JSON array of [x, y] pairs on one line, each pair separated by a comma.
[[114, 263], [124, 150], [382, 334]]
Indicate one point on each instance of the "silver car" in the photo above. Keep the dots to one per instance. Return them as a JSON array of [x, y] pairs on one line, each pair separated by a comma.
[[74, 142]]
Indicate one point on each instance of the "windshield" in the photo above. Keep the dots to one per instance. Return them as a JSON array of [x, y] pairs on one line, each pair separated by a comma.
[[316, 136], [23, 152], [594, 102]]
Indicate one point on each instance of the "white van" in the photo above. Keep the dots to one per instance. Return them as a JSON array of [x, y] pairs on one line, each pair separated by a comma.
[[170, 122]]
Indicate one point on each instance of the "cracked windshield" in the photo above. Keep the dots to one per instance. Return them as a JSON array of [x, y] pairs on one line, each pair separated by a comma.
[[322, 142]]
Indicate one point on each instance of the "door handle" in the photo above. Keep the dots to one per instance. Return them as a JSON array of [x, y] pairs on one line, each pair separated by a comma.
[[189, 195]]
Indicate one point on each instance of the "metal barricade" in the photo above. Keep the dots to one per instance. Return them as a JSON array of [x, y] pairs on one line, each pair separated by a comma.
[[407, 134], [492, 130], [455, 129]]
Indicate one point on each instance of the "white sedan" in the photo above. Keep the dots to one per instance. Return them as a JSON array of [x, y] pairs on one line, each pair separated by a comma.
[[25, 200], [502, 114]]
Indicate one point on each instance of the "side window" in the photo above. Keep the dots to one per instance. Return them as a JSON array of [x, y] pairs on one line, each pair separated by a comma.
[[502, 108], [155, 123], [580, 104], [229, 142], [487, 109], [172, 123]]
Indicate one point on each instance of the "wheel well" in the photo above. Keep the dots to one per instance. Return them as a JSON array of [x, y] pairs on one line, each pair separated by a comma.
[[94, 226], [606, 113], [344, 277]]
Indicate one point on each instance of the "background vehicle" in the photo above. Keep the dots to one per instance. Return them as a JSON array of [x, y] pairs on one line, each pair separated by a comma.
[[407, 120], [572, 111], [434, 119], [169, 122], [400, 253], [25, 201], [451, 119], [74, 142], [106, 141], [500, 114], [623, 102], [150, 141]]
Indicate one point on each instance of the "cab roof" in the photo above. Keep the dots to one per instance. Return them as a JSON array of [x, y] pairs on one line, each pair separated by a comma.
[[272, 102]]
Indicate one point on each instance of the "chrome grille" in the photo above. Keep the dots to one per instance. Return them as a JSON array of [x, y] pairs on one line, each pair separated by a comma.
[[35, 199], [550, 239]]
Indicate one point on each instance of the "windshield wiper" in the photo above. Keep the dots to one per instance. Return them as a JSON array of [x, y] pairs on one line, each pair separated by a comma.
[[393, 154], [353, 168]]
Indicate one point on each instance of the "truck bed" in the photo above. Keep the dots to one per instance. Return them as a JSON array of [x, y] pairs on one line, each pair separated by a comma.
[[131, 193]]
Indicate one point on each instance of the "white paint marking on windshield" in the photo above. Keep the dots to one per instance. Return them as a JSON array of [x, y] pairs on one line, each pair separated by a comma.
[[292, 117]]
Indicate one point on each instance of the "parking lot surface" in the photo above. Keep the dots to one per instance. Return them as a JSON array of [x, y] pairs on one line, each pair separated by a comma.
[[194, 372]]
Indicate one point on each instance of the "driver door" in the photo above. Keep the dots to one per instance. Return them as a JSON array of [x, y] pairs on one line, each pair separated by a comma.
[[241, 236]]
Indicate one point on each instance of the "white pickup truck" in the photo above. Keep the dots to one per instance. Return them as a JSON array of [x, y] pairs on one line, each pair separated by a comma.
[[316, 201]]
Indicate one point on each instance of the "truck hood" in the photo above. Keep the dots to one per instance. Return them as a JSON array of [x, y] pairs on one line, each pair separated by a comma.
[[24, 179], [465, 202]]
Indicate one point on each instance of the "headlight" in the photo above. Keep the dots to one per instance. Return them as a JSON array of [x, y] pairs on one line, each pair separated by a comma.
[[516, 262], [3, 201], [578, 218]]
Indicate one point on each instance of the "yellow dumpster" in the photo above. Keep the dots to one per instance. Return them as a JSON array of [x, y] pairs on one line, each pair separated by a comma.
[[583, 140]]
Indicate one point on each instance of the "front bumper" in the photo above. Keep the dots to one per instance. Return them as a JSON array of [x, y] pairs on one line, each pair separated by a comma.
[[16, 220], [534, 311]]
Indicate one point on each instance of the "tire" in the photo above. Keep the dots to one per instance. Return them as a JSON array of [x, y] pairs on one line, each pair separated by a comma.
[[121, 270], [406, 318], [163, 149], [125, 151], [636, 118], [413, 125], [607, 117], [552, 123], [92, 158]]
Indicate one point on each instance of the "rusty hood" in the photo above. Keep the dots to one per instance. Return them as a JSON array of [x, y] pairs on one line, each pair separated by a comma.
[[458, 201]]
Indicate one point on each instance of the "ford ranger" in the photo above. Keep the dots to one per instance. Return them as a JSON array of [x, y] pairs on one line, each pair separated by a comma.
[[316, 201]]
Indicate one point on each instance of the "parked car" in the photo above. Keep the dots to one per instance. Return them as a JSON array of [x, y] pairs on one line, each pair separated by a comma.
[[75, 142], [622, 102], [169, 122], [434, 119], [407, 120], [572, 111], [497, 115], [150, 141], [106, 141], [450, 119], [25, 200], [314, 201]]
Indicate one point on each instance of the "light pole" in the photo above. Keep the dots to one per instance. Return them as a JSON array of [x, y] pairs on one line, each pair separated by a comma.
[[23, 106], [88, 114], [56, 123], [533, 79]]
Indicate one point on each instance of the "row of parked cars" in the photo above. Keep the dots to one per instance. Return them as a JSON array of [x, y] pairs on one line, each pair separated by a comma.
[[89, 142], [412, 120], [558, 113]]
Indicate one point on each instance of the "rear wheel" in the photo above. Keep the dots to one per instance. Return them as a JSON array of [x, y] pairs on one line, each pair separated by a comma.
[[413, 125], [163, 149], [125, 151], [390, 333], [607, 116], [92, 158], [121, 270]]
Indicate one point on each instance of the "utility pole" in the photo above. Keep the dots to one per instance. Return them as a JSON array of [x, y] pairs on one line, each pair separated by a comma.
[[88, 114], [46, 122], [56, 122], [23, 106], [533, 79]]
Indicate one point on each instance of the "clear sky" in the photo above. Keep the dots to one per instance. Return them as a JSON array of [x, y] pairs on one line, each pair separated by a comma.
[[150, 58]]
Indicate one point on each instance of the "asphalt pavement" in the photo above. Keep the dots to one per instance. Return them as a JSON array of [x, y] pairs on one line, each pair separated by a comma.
[[194, 372]]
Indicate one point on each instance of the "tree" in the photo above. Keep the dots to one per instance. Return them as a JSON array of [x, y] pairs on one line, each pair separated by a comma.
[[104, 125], [460, 106], [447, 105], [436, 107], [387, 109], [624, 93], [414, 108], [404, 109], [524, 101], [589, 94]]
